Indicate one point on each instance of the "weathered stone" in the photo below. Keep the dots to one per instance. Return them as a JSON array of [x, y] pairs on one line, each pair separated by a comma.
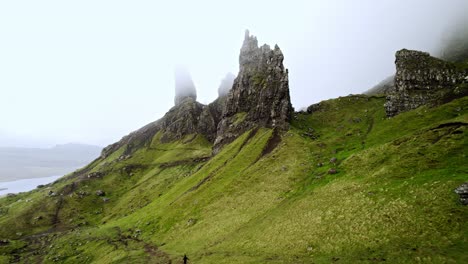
[[332, 171], [462, 191], [100, 193], [260, 93], [333, 160], [424, 80]]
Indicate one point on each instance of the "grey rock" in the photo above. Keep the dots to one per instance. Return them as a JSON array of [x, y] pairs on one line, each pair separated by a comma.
[[462, 191], [260, 93], [421, 79], [333, 160], [332, 171], [259, 98], [100, 193]]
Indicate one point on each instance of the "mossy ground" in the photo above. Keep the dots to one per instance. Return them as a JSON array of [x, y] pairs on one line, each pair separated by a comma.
[[391, 199]]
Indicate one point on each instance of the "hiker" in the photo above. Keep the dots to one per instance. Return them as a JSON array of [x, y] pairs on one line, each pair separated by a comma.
[[185, 259]]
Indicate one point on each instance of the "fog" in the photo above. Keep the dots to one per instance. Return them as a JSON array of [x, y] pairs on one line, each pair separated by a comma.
[[184, 86], [92, 71]]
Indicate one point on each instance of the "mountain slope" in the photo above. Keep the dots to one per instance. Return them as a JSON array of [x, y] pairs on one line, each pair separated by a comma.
[[246, 180], [392, 197]]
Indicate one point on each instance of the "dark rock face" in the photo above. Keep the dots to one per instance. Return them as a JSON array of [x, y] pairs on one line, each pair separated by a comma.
[[424, 80], [184, 87], [260, 93], [190, 117], [181, 120]]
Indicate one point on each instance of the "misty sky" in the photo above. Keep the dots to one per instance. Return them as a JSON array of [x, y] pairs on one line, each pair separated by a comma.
[[93, 71]]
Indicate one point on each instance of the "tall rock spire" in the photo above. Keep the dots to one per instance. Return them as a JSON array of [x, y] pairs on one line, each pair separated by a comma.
[[259, 95], [184, 86]]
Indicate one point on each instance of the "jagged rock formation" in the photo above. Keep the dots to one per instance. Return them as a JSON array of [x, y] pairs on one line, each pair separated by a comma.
[[184, 86], [259, 97], [421, 79], [260, 93], [226, 84]]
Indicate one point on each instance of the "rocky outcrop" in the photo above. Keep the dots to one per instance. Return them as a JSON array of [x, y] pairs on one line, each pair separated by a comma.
[[260, 93], [421, 79], [259, 97], [184, 87]]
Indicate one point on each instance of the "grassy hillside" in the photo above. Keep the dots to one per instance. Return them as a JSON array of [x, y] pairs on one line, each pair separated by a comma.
[[344, 184]]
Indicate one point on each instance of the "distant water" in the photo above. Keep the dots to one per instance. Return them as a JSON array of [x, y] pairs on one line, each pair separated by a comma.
[[24, 185]]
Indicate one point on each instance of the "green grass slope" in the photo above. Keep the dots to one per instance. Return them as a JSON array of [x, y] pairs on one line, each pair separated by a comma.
[[265, 198]]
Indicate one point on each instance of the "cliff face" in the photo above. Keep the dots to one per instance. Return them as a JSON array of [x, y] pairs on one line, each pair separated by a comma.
[[424, 80], [260, 93]]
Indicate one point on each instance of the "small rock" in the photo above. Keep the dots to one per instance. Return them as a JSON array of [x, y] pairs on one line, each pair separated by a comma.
[[105, 199], [191, 221], [462, 191], [332, 171], [320, 164], [333, 160], [100, 193], [96, 174]]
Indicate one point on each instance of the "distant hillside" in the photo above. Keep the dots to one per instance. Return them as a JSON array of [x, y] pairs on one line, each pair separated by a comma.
[[21, 163]]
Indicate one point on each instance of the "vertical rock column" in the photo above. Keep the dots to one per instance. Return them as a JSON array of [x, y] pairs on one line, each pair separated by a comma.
[[260, 93]]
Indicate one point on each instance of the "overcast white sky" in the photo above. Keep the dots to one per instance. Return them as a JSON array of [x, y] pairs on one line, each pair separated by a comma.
[[92, 71]]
